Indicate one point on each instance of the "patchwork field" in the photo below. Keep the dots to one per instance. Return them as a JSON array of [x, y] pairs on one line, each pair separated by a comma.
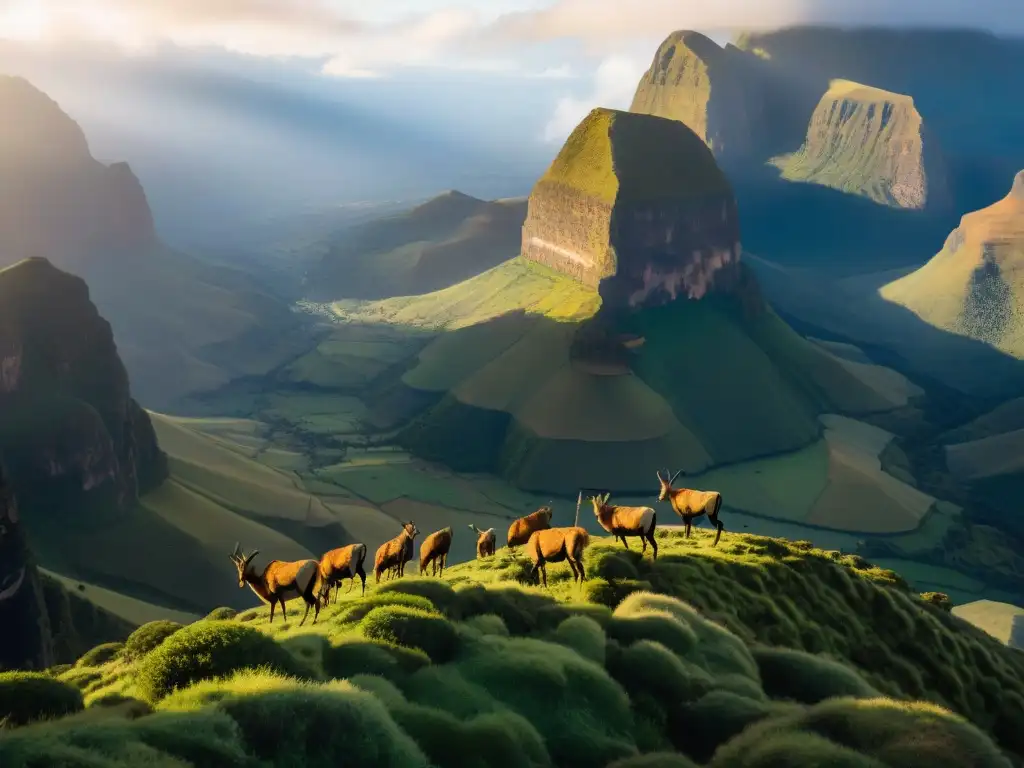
[[997, 619]]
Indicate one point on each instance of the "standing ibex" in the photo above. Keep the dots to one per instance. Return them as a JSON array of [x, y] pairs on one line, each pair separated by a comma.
[[280, 581], [553, 545], [690, 504], [434, 551], [338, 564], [485, 541], [521, 530], [621, 522], [396, 552]]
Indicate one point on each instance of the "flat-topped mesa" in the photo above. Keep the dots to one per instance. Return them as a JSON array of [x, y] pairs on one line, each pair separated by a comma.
[[636, 206], [870, 142]]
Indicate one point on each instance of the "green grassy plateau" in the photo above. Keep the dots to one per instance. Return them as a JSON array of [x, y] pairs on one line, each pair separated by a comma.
[[758, 653], [865, 141]]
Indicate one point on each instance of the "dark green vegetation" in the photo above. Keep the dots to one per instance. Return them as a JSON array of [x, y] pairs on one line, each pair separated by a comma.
[[479, 669], [437, 244], [29, 696]]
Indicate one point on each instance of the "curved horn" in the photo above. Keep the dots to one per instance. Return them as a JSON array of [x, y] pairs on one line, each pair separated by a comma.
[[677, 474], [251, 555]]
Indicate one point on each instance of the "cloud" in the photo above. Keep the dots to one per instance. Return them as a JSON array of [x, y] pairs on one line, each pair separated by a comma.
[[600, 24], [614, 83]]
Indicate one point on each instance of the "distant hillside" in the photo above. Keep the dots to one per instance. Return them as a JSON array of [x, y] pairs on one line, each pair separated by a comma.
[[181, 325], [869, 142], [1001, 620], [974, 286], [445, 240], [781, 654]]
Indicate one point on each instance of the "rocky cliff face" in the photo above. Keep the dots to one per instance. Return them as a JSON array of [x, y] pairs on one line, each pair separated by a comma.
[[26, 641], [870, 142], [56, 200], [636, 206], [74, 441]]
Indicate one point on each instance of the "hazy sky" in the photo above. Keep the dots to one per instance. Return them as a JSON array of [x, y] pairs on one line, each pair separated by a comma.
[[482, 86]]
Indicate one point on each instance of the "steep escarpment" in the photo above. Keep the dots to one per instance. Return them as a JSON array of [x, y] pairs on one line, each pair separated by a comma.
[[724, 95], [73, 439], [974, 286], [636, 207], [439, 243], [181, 325], [869, 142]]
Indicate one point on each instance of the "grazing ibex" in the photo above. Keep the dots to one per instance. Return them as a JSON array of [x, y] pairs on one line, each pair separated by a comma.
[[338, 564], [395, 553], [521, 530], [690, 504], [434, 551], [280, 581], [621, 522], [485, 541], [553, 545]]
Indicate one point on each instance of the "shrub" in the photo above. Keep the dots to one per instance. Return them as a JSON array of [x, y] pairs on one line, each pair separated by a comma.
[[585, 636], [147, 637], [808, 678], [938, 599], [82, 678], [208, 650], [648, 667], [29, 696], [129, 705], [611, 593], [372, 658], [221, 614], [412, 628], [100, 655], [383, 689], [439, 593], [324, 726], [788, 748], [714, 719], [660, 626], [488, 624]]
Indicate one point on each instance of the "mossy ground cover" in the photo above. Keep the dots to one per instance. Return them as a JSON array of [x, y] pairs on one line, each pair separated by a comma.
[[741, 655]]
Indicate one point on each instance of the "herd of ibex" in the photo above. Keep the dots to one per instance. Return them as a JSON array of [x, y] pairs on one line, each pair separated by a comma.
[[312, 581]]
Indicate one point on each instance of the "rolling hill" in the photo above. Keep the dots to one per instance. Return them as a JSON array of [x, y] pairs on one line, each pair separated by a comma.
[[779, 652], [438, 243], [182, 325], [972, 287]]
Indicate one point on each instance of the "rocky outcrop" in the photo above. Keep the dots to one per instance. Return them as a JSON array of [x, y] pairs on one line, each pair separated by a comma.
[[74, 441], [870, 142], [974, 286], [636, 207], [55, 199]]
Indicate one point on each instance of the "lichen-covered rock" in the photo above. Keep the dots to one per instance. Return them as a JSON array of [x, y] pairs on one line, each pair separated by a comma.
[[636, 207], [73, 439]]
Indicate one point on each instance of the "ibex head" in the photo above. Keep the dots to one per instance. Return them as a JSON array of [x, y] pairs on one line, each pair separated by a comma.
[[241, 562], [600, 501], [546, 512], [666, 485], [410, 529]]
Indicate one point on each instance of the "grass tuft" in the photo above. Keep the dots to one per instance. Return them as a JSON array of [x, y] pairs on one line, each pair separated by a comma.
[[100, 655], [147, 637], [29, 696], [807, 678]]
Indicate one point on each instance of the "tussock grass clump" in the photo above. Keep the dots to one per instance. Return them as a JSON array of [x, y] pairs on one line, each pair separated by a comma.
[[715, 718], [583, 635], [358, 657], [210, 649], [438, 592], [355, 612], [654, 760], [488, 624], [29, 696], [100, 655], [221, 614], [412, 628], [171, 739], [807, 678], [147, 637], [875, 732], [129, 705]]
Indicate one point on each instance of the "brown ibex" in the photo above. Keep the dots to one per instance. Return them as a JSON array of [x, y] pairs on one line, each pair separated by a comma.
[[434, 551], [280, 581], [338, 564], [553, 545], [690, 504], [621, 522], [395, 553], [485, 541], [521, 530]]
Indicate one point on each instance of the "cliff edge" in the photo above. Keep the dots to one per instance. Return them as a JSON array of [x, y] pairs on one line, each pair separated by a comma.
[[635, 206]]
